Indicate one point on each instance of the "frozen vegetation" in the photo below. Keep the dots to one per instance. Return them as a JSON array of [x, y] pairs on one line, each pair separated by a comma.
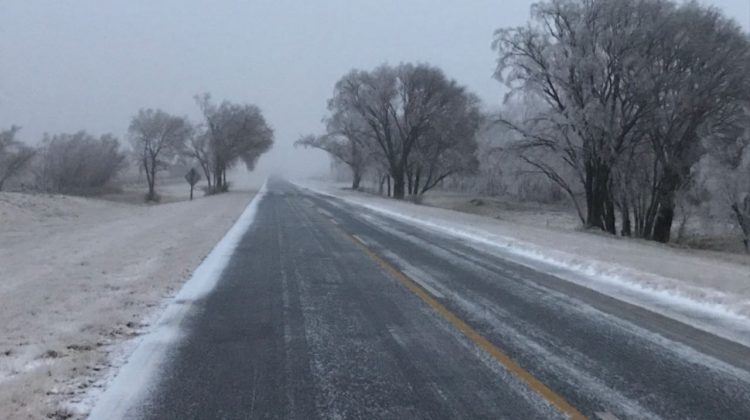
[[79, 280]]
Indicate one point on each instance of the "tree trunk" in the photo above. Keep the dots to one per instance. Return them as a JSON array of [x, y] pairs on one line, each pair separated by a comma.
[[669, 184], [388, 178], [610, 220], [149, 166], [151, 193], [627, 229], [598, 201], [356, 179], [592, 209], [648, 224], [663, 222], [417, 179], [744, 223], [152, 183], [398, 187], [206, 172], [219, 179]]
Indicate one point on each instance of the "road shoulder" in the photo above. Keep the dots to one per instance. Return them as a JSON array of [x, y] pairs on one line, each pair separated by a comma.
[[703, 292]]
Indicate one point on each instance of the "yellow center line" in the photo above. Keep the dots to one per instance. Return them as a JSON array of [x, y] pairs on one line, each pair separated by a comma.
[[536, 385]]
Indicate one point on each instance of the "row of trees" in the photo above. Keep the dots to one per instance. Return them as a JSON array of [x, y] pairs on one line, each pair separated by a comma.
[[82, 164], [77, 163], [621, 99], [14, 155], [230, 134], [408, 123], [630, 108]]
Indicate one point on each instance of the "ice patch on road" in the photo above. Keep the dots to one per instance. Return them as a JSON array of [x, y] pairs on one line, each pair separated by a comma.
[[138, 375]]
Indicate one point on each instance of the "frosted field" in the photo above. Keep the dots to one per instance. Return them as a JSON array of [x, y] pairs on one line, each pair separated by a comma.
[[81, 278]]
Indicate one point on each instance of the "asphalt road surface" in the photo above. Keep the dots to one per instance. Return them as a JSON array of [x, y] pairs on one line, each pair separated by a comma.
[[331, 311]]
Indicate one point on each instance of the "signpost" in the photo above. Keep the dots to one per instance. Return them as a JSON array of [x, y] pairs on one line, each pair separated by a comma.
[[192, 177]]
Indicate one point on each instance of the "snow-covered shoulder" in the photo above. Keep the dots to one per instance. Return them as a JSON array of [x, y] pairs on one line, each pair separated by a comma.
[[707, 293], [138, 375]]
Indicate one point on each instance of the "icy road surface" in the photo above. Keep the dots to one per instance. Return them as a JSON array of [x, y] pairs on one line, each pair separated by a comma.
[[329, 310]]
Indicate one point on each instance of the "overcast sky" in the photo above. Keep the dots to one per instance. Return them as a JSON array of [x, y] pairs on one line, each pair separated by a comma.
[[71, 65]]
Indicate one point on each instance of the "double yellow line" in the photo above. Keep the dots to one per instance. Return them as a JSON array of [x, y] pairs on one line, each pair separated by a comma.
[[533, 383]]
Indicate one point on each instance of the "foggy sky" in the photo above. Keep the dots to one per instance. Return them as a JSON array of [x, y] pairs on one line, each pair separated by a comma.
[[71, 65]]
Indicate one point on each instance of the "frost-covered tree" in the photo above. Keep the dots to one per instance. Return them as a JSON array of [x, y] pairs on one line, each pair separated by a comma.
[[741, 209], [157, 138], [401, 109], [698, 81], [197, 148], [448, 147], [233, 133], [727, 169], [78, 163], [346, 141], [578, 59], [624, 90], [14, 155]]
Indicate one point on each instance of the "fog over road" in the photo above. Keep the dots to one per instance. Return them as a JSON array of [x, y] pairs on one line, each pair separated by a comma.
[[327, 310]]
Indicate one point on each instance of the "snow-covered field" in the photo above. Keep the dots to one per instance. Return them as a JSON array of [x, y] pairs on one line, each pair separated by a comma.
[[79, 278], [701, 288]]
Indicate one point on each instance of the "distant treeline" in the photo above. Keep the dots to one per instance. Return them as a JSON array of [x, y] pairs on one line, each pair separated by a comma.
[[82, 164]]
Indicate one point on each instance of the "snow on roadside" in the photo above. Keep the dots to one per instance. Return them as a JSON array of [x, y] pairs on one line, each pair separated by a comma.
[[135, 377], [80, 281], [707, 293]]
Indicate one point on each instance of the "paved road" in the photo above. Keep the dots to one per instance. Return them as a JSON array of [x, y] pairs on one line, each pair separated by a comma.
[[331, 311]]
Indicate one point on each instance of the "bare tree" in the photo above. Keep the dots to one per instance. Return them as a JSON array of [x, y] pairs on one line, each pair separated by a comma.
[[341, 148], [492, 171], [625, 93], [78, 163], [399, 106], [233, 133], [448, 146], [346, 140], [199, 150], [157, 137], [741, 209], [699, 83], [14, 155], [577, 58], [729, 168]]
